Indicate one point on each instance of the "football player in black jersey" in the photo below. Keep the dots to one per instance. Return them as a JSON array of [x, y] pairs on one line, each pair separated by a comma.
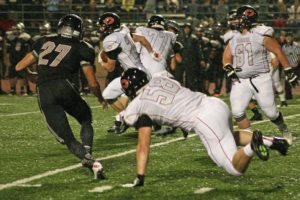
[[59, 58]]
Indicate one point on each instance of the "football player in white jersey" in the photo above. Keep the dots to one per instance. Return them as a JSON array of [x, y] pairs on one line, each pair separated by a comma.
[[233, 22], [245, 61], [161, 41], [163, 100], [118, 45]]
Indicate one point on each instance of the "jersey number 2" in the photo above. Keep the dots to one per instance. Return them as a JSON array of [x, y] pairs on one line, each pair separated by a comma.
[[49, 47]]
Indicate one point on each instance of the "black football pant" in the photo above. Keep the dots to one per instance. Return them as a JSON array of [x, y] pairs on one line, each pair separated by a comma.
[[58, 97]]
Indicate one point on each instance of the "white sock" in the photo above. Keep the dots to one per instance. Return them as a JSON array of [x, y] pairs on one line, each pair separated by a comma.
[[268, 141], [282, 97], [248, 150]]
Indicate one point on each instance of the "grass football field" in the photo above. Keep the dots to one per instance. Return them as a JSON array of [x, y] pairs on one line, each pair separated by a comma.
[[33, 165]]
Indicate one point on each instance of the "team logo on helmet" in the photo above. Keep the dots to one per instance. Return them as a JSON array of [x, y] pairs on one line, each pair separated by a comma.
[[124, 84], [109, 20], [249, 12]]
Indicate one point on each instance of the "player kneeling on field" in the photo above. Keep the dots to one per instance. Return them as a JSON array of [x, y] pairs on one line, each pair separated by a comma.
[[165, 101]]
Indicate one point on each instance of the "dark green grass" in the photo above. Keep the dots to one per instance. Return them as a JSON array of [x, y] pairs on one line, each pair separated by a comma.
[[175, 170]]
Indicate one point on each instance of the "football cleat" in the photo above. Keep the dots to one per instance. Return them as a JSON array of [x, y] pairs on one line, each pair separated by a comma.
[[283, 104], [98, 170], [118, 128], [136, 183], [95, 167], [185, 133], [258, 146], [256, 117], [163, 132], [281, 145]]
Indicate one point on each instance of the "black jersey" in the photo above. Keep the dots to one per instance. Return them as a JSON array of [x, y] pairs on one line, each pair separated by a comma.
[[60, 57]]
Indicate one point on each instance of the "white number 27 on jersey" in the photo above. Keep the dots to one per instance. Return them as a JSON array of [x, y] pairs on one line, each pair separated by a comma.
[[48, 47]]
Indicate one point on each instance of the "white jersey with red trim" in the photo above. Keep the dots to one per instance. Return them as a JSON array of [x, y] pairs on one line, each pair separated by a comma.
[[165, 101], [128, 57], [249, 54], [161, 42], [260, 29]]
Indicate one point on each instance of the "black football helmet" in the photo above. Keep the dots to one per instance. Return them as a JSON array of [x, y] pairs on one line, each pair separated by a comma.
[[172, 24], [132, 80], [107, 23], [248, 16], [157, 22], [70, 25]]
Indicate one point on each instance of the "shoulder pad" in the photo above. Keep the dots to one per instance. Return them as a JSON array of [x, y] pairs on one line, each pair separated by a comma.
[[264, 30], [124, 29], [110, 43], [139, 30], [25, 36], [228, 36]]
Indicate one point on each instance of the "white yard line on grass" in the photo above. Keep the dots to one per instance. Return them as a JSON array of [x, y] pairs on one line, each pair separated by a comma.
[[28, 113], [56, 171]]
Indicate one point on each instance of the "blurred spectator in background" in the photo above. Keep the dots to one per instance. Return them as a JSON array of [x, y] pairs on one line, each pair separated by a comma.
[[172, 5], [52, 7], [292, 51], [18, 46], [192, 9], [190, 59], [205, 10], [221, 10], [294, 14], [110, 6], [127, 5], [1, 62], [150, 8]]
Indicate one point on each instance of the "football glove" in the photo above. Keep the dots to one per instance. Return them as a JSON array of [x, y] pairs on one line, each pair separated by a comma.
[[138, 181], [290, 76], [231, 72]]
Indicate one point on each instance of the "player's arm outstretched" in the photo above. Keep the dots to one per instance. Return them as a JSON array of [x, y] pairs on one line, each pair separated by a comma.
[[144, 127], [141, 39]]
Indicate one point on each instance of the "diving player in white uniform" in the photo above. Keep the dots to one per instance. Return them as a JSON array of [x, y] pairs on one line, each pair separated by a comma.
[[118, 44], [163, 100], [245, 61]]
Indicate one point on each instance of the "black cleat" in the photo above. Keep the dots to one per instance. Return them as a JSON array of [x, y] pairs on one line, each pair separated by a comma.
[[283, 104], [164, 132], [118, 128], [281, 145], [185, 133], [256, 117], [258, 146]]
